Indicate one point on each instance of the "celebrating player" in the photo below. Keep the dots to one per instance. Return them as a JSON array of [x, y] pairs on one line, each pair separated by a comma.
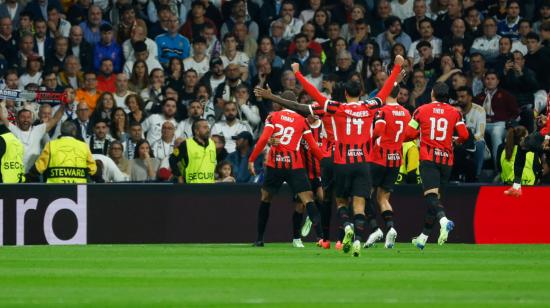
[[436, 122], [384, 159], [284, 164]]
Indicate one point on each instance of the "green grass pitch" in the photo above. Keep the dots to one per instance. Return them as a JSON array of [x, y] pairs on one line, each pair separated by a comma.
[[276, 275]]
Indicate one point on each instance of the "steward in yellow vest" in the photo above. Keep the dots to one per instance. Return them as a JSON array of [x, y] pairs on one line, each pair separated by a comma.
[[507, 174], [67, 159], [409, 173], [194, 160], [11, 158]]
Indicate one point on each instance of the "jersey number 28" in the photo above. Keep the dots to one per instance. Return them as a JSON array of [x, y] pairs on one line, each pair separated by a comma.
[[285, 133]]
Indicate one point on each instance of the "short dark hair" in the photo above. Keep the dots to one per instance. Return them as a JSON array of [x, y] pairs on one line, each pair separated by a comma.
[[440, 91], [194, 125], [199, 3], [228, 35], [491, 72], [51, 8], [532, 36], [395, 90], [352, 88], [391, 20], [23, 110], [102, 120], [465, 89], [512, 1], [426, 20], [299, 36]]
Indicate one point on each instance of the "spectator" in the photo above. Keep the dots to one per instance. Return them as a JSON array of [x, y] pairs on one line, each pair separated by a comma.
[[203, 93], [196, 157], [266, 50], [231, 55], [199, 61], [245, 42], [473, 22], [127, 23], [402, 8], [39, 8], [152, 126], [411, 24], [279, 42], [107, 48], [487, 45], [57, 26], [116, 151], [212, 12], [11, 9], [163, 147], [90, 27], [139, 79], [348, 29], [110, 172], [106, 78], [195, 25], [121, 91], [26, 25], [141, 53], [315, 75], [82, 122], [177, 9], [8, 41], [426, 34], [239, 15], [307, 14], [270, 11], [224, 173], [161, 21], [509, 26], [544, 16], [88, 94], [43, 44], [104, 107], [475, 119], [521, 44], [522, 83], [190, 79], [379, 22], [427, 62], [144, 166], [420, 94], [135, 136], [33, 72], [119, 124], [80, 48], [302, 53], [56, 58], [216, 75], [504, 53], [291, 25], [391, 36], [153, 96], [248, 113], [231, 126], [239, 158], [443, 22], [358, 43], [226, 90], [30, 135], [100, 139], [500, 107], [172, 44], [221, 152], [70, 111], [78, 11], [195, 112], [213, 45], [458, 32], [344, 66], [139, 34], [538, 58], [267, 75]]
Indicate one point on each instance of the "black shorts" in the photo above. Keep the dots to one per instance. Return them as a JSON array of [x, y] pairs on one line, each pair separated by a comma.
[[434, 175], [383, 177], [327, 173], [352, 180], [295, 178], [315, 184]]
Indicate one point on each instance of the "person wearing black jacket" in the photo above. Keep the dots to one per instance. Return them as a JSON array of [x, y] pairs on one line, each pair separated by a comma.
[[80, 48]]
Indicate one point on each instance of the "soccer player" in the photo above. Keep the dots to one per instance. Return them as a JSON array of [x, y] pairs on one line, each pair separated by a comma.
[[435, 123], [351, 134], [284, 164], [384, 159]]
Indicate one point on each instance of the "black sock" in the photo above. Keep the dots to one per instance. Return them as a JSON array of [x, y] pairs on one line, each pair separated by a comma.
[[519, 164], [433, 202], [296, 224], [326, 212], [263, 216], [359, 224], [315, 218], [371, 215], [388, 219], [343, 220]]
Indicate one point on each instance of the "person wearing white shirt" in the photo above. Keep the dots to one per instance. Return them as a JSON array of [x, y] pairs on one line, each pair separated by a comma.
[[487, 45], [110, 171], [163, 147], [199, 61], [122, 92], [402, 8], [57, 25], [139, 34], [307, 15], [232, 56], [292, 25], [315, 75], [248, 113], [30, 135], [141, 54], [152, 126], [426, 34], [195, 111], [231, 127]]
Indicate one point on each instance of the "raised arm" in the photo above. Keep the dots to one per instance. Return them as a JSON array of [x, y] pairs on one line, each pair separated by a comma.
[[313, 146], [389, 84], [308, 87], [260, 145], [292, 105], [56, 117]]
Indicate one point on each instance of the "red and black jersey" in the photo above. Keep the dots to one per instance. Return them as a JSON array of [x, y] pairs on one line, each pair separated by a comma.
[[289, 127], [390, 122], [328, 125], [436, 123], [312, 164]]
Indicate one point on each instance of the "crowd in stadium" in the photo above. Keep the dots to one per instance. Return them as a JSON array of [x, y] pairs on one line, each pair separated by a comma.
[[138, 73]]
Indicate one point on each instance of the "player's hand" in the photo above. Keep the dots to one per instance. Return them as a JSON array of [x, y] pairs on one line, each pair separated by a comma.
[[401, 76], [262, 93], [251, 168], [399, 60], [295, 67]]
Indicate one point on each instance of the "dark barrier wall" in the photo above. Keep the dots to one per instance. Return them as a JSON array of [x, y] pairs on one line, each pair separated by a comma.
[[165, 213]]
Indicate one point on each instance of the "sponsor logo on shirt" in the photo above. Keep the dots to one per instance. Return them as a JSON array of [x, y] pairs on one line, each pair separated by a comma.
[[355, 152]]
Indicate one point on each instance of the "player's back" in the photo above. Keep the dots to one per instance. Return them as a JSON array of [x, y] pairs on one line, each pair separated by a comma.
[[437, 122], [396, 119], [288, 128]]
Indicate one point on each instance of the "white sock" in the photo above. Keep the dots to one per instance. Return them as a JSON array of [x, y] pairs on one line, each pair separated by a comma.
[[443, 221], [423, 237], [516, 186]]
